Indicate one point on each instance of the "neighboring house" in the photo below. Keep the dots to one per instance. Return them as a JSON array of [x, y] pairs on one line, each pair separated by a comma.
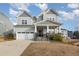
[[28, 26], [64, 32], [6, 25], [71, 34]]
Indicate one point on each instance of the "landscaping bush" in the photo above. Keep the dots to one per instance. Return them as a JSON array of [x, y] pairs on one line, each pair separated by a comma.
[[56, 37], [9, 36]]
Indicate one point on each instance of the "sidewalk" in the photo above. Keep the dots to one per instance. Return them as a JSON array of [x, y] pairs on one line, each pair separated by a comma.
[[13, 48]]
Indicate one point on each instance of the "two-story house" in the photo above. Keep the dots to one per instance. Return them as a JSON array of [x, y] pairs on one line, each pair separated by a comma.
[[45, 22]]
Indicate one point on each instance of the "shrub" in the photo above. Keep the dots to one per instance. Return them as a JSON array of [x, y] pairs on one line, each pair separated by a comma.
[[56, 37], [9, 36]]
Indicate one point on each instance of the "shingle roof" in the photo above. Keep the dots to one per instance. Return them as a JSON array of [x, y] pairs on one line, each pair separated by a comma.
[[24, 13], [54, 11]]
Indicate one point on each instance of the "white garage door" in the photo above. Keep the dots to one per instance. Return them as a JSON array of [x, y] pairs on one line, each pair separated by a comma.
[[25, 35]]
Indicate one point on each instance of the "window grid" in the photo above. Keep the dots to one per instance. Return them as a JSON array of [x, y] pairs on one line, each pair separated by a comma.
[[24, 21]]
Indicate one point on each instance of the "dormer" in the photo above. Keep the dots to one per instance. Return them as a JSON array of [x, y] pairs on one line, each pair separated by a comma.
[[34, 19], [48, 14], [24, 18]]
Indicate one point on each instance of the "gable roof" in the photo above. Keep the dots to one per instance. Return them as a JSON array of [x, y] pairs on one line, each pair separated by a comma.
[[34, 19], [50, 11], [23, 13]]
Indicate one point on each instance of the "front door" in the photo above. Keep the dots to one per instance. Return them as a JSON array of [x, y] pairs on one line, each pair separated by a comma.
[[40, 31]]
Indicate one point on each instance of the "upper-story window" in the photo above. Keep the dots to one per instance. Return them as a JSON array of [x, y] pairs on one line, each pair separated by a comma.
[[24, 21], [51, 19]]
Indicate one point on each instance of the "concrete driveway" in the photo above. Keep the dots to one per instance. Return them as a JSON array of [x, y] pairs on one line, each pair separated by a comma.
[[14, 47]]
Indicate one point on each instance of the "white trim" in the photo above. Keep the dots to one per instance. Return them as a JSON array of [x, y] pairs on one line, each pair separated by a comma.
[[47, 29], [44, 21], [39, 21], [35, 29]]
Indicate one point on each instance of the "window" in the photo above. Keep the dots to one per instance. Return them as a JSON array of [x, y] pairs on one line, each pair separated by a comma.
[[50, 27], [31, 32], [27, 32], [23, 32], [19, 32], [53, 19], [50, 18], [24, 21]]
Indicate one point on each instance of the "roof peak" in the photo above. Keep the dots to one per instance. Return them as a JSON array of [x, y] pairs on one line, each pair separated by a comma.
[[24, 12], [52, 10]]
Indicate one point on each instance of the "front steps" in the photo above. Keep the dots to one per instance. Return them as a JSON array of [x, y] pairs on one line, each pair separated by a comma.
[[41, 39]]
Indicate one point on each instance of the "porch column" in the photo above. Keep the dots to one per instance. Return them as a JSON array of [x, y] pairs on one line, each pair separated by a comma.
[[54, 30], [35, 29], [47, 29], [58, 29]]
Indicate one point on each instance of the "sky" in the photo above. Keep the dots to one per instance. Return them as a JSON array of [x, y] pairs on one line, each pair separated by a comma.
[[68, 12]]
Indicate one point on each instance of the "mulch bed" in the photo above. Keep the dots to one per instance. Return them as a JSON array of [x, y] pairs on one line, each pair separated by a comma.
[[51, 49]]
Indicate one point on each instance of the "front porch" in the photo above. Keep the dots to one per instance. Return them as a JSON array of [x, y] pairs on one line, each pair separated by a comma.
[[46, 28], [43, 32]]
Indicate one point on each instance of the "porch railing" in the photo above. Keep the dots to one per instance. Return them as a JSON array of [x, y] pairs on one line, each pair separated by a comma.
[[36, 35]]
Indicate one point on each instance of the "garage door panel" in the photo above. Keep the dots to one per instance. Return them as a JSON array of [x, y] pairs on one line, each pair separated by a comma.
[[21, 36], [30, 36], [25, 36]]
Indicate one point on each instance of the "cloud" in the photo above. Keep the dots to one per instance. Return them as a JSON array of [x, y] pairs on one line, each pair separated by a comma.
[[24, 7], [12, 12], [42, 6], [16, 7], [66, 15], [73, 5], [20, 6], [76, 12]]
